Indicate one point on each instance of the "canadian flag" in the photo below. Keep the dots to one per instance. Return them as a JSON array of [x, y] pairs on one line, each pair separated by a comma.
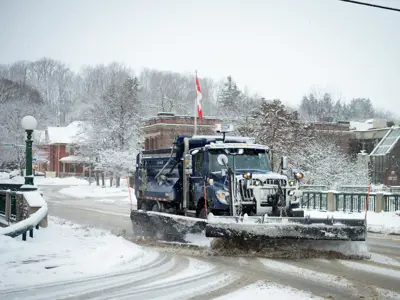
[[198, 98]]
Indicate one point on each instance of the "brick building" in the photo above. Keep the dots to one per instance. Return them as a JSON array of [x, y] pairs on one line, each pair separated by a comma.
[[385, 158], [61, 143], [338, 132], [160, 131]]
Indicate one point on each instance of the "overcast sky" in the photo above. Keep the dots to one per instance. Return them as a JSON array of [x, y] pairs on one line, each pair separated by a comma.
[[279, 48]]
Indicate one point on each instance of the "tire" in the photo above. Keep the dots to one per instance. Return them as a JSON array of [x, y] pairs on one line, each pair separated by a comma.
[[143, 206], [202, 214], [158, 207]]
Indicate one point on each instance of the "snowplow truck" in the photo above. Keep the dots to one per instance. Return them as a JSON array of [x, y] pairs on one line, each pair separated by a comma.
[[224, 187]]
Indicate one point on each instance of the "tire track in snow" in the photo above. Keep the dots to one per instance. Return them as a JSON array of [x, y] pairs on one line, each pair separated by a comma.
[[363, 280], [253, 270], [59, 289]]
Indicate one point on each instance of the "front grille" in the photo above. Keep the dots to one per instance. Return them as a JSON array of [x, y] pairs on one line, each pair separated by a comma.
[[282, 182], [245, 193]]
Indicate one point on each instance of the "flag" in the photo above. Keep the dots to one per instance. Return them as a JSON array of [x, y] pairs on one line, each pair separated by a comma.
[[198, 98]]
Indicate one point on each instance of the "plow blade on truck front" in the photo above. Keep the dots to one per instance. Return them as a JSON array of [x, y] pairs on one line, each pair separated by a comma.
[[165, 227], [303, 228]]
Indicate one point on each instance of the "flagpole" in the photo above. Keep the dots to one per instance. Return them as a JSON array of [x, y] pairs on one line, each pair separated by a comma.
[[195, 111]]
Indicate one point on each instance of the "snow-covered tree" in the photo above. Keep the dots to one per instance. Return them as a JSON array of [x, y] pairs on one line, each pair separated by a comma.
[[274, 125], [114, 134], [324, 163]]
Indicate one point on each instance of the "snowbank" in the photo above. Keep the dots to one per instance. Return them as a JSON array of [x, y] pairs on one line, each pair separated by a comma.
[[4, 175], [99, 194], [261, 290], [39, 180], [383, 222], [66, 251], [94, 191]]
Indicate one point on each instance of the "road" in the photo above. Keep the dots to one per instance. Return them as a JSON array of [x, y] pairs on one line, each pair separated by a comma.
[[375, 278]]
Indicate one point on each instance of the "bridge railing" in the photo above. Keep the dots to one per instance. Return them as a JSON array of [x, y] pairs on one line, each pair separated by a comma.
[[350, 201], [21, 211], [315, 200]]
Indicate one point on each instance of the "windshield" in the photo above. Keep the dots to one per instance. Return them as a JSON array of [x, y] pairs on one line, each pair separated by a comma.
[[251, 159]]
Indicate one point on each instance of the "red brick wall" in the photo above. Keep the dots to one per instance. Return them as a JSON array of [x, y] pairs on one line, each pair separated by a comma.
[[160, 132], [56, 153]]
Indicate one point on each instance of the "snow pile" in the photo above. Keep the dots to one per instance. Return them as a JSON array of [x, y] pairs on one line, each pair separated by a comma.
[[383, 222], [102, 194], [4, 175], [261, 290], [66, 251], [94, 191], [39, 180]]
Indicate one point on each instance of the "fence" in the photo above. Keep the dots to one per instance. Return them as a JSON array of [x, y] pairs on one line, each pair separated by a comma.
[[350, 202], [23, 211]]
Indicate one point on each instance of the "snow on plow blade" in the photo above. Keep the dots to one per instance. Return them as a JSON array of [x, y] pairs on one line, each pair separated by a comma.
[[163, 226], [255, 228]]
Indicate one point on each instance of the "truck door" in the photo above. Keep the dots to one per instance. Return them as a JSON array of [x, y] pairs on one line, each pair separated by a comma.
[[196, 181]]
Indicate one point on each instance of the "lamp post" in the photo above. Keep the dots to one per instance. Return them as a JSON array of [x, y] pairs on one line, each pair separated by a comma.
[[29, 124]]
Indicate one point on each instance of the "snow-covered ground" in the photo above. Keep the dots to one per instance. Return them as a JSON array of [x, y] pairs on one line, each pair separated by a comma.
[[261, 290], [383, 222], [96, 192], [40, 180], [65, 251]]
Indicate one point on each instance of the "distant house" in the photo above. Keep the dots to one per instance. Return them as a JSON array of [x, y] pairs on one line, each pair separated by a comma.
[[62, 143]]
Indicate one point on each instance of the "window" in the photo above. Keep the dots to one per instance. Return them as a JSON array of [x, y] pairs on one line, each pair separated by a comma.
[[251, 159], [199, 164]]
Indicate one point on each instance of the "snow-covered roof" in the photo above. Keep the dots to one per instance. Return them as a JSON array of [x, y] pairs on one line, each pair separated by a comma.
[[74, 159], [64, 135], [361, 126]]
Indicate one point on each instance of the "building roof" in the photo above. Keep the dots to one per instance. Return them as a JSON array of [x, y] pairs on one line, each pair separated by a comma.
[[64, 135], [73, 159]]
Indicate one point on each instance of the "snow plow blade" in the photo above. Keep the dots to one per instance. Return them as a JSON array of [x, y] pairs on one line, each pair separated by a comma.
[[165, 227], [259, 228]]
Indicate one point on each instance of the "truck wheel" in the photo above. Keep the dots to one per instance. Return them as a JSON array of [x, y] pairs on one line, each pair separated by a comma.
[[202, 214], [158, 207], [143, 206]]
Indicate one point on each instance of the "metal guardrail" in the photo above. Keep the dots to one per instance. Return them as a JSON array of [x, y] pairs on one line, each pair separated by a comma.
[[8, 208], [349, 201], [392, 202], [355, 202], [25, 226], [3, 201], [315, 200]]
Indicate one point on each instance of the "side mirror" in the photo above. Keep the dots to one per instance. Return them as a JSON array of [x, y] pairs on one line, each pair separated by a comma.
[[283, 163], [222, 160]]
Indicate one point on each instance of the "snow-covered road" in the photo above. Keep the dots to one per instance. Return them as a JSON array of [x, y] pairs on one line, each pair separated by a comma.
[[174, 273]]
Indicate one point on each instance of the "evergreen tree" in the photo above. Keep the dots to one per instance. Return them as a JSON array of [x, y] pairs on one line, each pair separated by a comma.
[[231, 97]]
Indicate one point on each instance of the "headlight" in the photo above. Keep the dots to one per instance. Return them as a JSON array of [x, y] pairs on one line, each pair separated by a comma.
[[298, 176], [222, 196], [247, 175]]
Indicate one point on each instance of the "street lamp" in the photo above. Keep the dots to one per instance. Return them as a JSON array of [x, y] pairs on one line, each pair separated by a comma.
[[29, 123]]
